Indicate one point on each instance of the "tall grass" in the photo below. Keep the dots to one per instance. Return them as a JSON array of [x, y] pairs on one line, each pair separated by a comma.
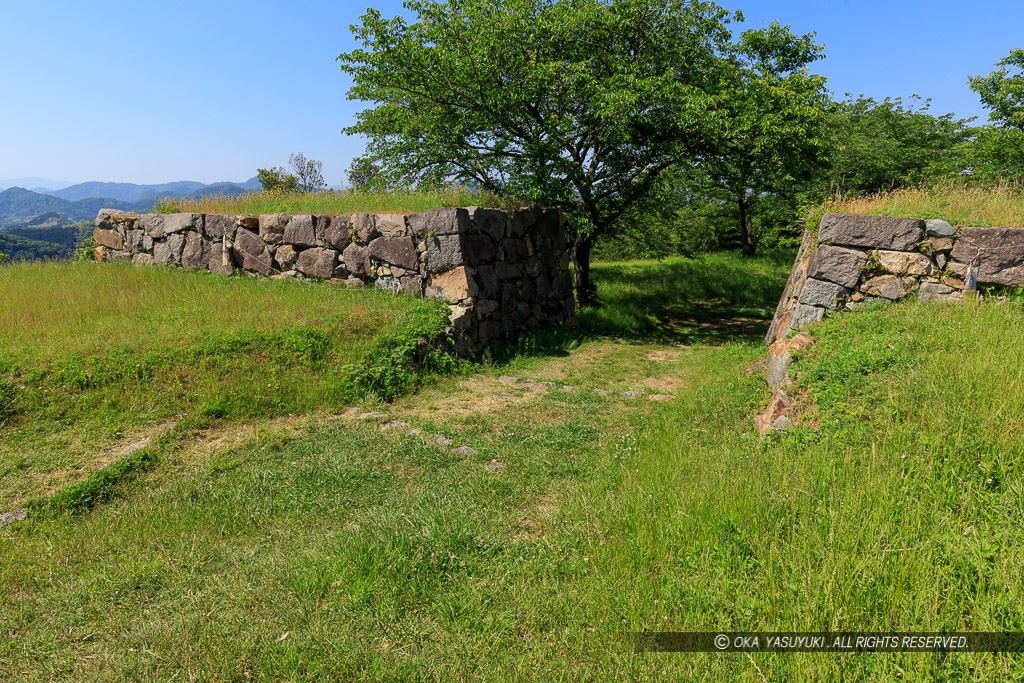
[[999, 206], [336, 202]]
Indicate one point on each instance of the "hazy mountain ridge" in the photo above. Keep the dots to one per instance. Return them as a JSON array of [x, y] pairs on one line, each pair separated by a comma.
[[130, 192], [39, 224]]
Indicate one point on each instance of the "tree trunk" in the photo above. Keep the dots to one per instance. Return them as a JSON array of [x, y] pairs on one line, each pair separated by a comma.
[[586, 292], [745, 232]]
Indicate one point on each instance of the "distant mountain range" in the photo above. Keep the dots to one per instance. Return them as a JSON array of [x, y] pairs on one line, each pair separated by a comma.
[[28, 214], [35, 184]]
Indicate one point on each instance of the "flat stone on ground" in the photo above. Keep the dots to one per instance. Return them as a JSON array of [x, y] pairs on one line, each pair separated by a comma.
[[9, 518], [508, 379]]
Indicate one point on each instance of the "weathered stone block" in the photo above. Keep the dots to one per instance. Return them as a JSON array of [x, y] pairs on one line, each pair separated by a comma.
[[216, 261], [804, 315], [879, 232], [388, 284], [460, 316], [781, 357], [1002, 261], [272, 227], [399, 251], [286, 255], [837, 264], [521, 220], [411, 284], [142, 260], [110, 218], [248, 221], [180, 222], [479, 249], [252, 252], [317, 262], [936, 227], [444, 251], [931, 291], [446, 221], [364, 227], [192, 255], [116, 256], [301, 231], [886, 286], [822, 293], [357, 261], [453, 285], [490, 222], [391, 225], [219, 226], [108, 238], [488, 280], [905, 262], [508, 271], [514, 250], [134, 240], [338, 232], [936, 245]]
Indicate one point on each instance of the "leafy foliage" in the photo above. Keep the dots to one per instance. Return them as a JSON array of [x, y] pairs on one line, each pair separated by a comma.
[[308, 173], [579, 102], [774, 139], [275, 179], [882, 146], [999, 148]]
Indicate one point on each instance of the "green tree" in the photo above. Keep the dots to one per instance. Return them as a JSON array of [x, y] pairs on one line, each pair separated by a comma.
[[4, 258], [585, 103], [999, 147], [276, 178], [308, 173], [364, 173], [774, 141], [881, 146]]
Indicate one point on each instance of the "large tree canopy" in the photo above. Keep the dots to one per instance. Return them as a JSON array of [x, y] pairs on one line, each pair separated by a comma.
[[581, 102], [774, 138], [999, 148]]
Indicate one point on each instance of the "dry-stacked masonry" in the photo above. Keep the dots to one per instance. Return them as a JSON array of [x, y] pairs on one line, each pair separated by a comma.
[[501, 272], [857, 260]]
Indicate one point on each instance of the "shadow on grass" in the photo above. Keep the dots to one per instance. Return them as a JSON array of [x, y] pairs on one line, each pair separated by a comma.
[[714, 299]]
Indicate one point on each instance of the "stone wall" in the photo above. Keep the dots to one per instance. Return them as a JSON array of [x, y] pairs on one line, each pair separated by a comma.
[[501, 272], [857, 260]]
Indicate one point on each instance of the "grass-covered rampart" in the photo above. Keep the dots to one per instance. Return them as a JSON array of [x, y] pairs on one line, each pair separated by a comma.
[[92, 355], [336, 202], [1000, 206]]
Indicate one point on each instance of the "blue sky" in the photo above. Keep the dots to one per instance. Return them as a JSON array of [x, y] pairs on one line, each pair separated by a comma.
[[151, 92]]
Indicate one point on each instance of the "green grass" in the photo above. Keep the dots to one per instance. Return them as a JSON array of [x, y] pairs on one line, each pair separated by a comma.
[[960, 204], [717, 297], [96, 355], [344, 552], [336, 202]]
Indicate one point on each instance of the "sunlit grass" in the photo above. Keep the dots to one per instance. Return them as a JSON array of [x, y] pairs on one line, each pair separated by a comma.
[[1000, 206], [91, 354], [336, 202]]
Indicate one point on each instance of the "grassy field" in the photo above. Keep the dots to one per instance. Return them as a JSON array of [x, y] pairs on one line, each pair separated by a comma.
[[330, 548], [94, 357], [336, 202], [960, 204]]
